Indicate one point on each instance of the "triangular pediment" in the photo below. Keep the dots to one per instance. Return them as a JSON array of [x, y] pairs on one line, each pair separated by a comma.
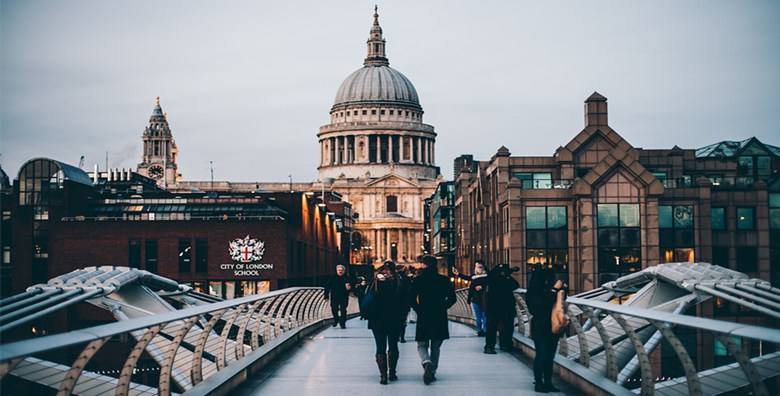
[[628, 164], [392, 180], [592, 137], [754, 147]]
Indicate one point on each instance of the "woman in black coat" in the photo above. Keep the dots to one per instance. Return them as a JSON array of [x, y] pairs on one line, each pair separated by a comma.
[[541, 295], [389, 306], [432, 295]]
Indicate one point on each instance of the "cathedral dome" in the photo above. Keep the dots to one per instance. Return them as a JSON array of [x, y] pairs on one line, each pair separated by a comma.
[[373, 84]]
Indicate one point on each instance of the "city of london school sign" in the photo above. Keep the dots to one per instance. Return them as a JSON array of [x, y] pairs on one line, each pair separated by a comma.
[[246, 254]]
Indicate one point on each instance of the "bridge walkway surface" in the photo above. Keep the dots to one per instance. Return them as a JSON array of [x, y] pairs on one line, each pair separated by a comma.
[[341, 361]]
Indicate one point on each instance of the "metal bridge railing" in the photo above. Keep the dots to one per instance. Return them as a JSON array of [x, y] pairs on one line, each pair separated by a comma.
[[190, 345], [620, 343]]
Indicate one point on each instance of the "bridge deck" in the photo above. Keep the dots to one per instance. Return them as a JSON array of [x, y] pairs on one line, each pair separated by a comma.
[[337, 361]]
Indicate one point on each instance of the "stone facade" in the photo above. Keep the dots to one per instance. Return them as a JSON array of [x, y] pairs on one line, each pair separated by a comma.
[[381, 156], [600, 208]]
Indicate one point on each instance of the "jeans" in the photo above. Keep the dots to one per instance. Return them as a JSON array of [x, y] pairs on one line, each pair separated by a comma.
[[545, 346], [385, 342], [504, 326], [339, 310], [479, 315], [431, 356]]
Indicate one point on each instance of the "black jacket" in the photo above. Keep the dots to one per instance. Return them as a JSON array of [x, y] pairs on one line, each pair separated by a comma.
[[336, 288], [477, 297], [500, 295], [391, 301], [540, 306], [432, 294]]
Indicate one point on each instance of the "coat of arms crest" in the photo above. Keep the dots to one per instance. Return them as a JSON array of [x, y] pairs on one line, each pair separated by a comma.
[[246, 250]]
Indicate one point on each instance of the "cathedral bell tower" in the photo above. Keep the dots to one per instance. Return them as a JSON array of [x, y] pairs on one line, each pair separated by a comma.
[[159, 156]]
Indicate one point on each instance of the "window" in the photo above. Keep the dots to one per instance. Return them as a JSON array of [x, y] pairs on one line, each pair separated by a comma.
[[134, 253], [151, 255], [676, 233], [373, 111], [365, 112], [392, 203], [745, 218], [619, 240], [745, 166], [720, 256], [547, 240], [774, 211], [354, 112], [747, 259], [381, 112], [535, 180], [763, 167], [718, 218], [201, 255], [185, 256], [392, 112]]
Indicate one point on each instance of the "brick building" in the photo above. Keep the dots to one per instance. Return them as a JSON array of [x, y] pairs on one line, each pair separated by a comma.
[[599, 208], [57, 218]]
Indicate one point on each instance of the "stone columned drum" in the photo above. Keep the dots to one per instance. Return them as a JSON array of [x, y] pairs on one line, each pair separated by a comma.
[[376, 123]]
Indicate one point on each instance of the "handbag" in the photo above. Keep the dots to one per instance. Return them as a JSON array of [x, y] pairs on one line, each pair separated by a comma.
[[368, 306], [558, 318]]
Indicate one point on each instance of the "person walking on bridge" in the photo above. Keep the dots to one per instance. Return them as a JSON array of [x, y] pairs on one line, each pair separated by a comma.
[[500, 308], [541, 296], [432, 294], [385, 305], [337, 290]]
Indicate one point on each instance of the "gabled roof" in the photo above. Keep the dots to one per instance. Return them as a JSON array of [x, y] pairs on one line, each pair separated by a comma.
[[732, 148], [391, 176]]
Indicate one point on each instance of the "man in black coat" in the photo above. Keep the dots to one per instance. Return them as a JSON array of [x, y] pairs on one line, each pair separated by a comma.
[[337, 290], [500, 308], [432, 294]]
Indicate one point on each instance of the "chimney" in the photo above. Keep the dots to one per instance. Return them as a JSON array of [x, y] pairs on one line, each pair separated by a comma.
[[596, 110]]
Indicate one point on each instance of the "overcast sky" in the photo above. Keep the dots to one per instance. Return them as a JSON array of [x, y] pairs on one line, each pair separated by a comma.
[[247, 83]]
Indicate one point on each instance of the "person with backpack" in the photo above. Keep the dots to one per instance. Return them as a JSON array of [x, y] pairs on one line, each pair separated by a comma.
[[543, 293]]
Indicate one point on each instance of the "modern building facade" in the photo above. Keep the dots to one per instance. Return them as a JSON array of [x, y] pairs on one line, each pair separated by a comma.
[[599, 208], [441, 229]]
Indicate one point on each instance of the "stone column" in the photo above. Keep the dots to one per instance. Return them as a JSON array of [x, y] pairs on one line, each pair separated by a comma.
[[346, 149], [390, 149], [336, 150], [433, 153]]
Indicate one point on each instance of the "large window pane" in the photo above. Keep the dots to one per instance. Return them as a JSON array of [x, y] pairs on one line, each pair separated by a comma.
[[535, 217], [745, 166], [536, 239], [542, 180], [747, 259], [607, 215], [774, 200], [134, 253], [745, 219], [609, 237], [683, 217], [630, 237], [774, 219], [185, 256], [556, 217], [763, 166], [718, 218], [629, 215], [665, 217]]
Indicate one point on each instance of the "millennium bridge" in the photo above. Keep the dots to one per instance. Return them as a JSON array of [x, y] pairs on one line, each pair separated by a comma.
[[639, 334]]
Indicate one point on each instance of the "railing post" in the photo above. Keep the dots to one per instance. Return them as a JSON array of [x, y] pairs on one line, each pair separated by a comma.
[[72, 376], [123, 384], [197, 357], [648, 385], [691, 375], [751, 374], [609, 350]]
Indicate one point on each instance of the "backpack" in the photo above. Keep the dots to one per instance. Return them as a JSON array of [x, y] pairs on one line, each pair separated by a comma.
[[558, 318]]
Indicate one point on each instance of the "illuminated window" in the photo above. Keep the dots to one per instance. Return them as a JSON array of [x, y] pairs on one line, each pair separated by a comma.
[[547, 238], [745, 218], [618, 240]]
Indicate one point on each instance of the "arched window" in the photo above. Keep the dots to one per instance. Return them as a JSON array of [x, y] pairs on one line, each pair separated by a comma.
[[392, 204]]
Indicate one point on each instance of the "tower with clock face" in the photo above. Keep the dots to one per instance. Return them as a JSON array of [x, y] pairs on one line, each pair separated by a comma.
[[159, 155]]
